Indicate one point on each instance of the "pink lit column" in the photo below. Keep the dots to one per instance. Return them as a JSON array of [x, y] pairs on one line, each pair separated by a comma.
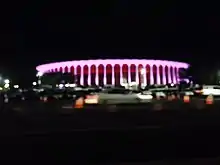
[[164, 75], [129, 74], [113, 75], [145, 76], [158, 75], [97, 75], [82, 75], [151, 75], [169, 75], [137, 75], [89, 76], [75, 73], [105, 77], [121, 75], [177, 75], [75, 77], [174, 75]]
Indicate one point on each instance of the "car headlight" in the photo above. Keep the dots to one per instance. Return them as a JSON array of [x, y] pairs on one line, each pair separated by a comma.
[[144, 97]]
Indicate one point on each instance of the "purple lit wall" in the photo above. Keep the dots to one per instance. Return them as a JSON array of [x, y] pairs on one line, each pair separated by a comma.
[[102, 72]]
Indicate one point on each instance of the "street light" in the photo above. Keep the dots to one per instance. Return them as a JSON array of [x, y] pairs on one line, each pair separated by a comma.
[[39, 74], [6, 85], [16, 86], [6, 81], [61, 85]]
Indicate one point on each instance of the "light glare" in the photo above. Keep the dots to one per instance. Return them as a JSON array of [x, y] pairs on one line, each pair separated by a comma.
[[6, 81]]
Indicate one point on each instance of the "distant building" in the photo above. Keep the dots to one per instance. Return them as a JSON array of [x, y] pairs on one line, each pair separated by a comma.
[[103, 72]]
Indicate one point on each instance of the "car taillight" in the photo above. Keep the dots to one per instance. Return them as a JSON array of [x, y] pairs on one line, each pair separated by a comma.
[[198, 91], [91, 99], [45, 99]]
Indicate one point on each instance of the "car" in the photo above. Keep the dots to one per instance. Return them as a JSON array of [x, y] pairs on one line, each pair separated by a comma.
[[117, 96], [206, 90]]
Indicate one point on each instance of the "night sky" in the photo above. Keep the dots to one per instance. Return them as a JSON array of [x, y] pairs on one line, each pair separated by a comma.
[[33, 34]]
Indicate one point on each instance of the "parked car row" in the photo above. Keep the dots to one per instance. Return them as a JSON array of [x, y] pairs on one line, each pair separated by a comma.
[[109, 95]]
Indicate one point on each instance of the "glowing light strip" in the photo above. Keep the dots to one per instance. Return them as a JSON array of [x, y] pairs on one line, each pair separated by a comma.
[[45, 67]]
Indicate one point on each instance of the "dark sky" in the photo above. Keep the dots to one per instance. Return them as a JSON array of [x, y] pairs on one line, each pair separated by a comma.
[[32, 34]]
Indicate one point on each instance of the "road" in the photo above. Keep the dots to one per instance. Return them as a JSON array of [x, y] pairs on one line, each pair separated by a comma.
[[153, 114], [112, 136], [129, 133]]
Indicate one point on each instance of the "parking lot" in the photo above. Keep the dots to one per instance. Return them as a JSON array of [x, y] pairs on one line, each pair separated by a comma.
[[154, 114], [158, 129], [69, 106]]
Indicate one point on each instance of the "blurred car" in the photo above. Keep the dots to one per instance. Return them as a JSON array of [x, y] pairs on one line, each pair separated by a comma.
[[206, 90], [117, 96]]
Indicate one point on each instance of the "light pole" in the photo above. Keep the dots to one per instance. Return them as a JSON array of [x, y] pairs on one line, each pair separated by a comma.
[[39, 75], [6, 83]]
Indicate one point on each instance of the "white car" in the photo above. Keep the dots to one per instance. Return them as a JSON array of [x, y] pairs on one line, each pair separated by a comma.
[[211, 90], [159, 92], [117, 96]]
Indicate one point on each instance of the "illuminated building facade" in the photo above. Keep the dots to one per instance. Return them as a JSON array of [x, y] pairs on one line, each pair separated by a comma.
[[115, 72]]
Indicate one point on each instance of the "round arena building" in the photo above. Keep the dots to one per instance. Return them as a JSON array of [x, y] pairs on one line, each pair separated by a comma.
[[116, 72]]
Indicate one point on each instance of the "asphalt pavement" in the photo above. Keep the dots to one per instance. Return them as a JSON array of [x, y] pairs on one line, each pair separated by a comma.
[[35, 115], [161, 129]]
